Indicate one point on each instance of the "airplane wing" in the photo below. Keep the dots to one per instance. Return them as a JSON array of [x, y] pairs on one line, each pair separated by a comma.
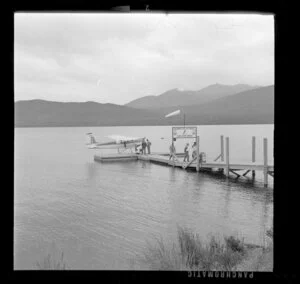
[[122, 139]]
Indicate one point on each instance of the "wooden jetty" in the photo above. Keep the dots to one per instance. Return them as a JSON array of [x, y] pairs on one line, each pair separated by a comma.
[[163, 159], [225, 165], [222, 166]]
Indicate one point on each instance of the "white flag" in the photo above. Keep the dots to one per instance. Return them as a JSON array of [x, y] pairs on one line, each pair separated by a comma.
[[173, 113]]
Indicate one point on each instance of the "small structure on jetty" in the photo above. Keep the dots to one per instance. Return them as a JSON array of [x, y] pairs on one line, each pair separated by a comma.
[[221, 163]]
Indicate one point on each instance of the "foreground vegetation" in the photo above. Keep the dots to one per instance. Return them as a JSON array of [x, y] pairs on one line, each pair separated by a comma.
[[50, 263], [190, 253]]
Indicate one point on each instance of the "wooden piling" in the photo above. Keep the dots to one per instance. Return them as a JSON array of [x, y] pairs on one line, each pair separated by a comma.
[[265, 162], [253, 153], [198, 153], [227, 156], [222, 148], [253, 149], [173, 155]]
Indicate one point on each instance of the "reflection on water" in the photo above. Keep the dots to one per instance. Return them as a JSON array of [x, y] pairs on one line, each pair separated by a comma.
[[91, 171], [102, 214]]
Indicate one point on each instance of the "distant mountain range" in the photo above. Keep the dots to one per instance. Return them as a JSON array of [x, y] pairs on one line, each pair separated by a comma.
[[177, 98], [254, 106], [35, 113], [250, 107]]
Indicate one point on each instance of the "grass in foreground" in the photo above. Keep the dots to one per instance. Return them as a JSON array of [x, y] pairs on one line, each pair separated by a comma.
[[190, 253], [49, 263]]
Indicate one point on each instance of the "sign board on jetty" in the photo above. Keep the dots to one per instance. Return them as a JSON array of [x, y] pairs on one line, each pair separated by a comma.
[[184, 132]]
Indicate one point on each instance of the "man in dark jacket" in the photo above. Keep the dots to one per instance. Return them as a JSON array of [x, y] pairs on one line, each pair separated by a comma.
[[144, 144]]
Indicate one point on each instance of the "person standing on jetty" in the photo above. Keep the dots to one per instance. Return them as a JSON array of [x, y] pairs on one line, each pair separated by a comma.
[[172, 151], [144, 144], [148, 146], [186, 153]]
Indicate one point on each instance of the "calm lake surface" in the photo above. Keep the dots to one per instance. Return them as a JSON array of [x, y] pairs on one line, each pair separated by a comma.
[[102, 215]]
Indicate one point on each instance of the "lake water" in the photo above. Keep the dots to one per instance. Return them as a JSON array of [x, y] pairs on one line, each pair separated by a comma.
[[102, 215]]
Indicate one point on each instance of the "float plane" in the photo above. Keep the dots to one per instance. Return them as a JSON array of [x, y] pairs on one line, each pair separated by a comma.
[[122, 143]]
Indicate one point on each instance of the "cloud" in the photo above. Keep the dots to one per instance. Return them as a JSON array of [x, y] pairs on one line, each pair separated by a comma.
[[64, 56]]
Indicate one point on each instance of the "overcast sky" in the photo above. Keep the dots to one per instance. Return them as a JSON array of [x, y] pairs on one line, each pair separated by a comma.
[[115, 58]]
